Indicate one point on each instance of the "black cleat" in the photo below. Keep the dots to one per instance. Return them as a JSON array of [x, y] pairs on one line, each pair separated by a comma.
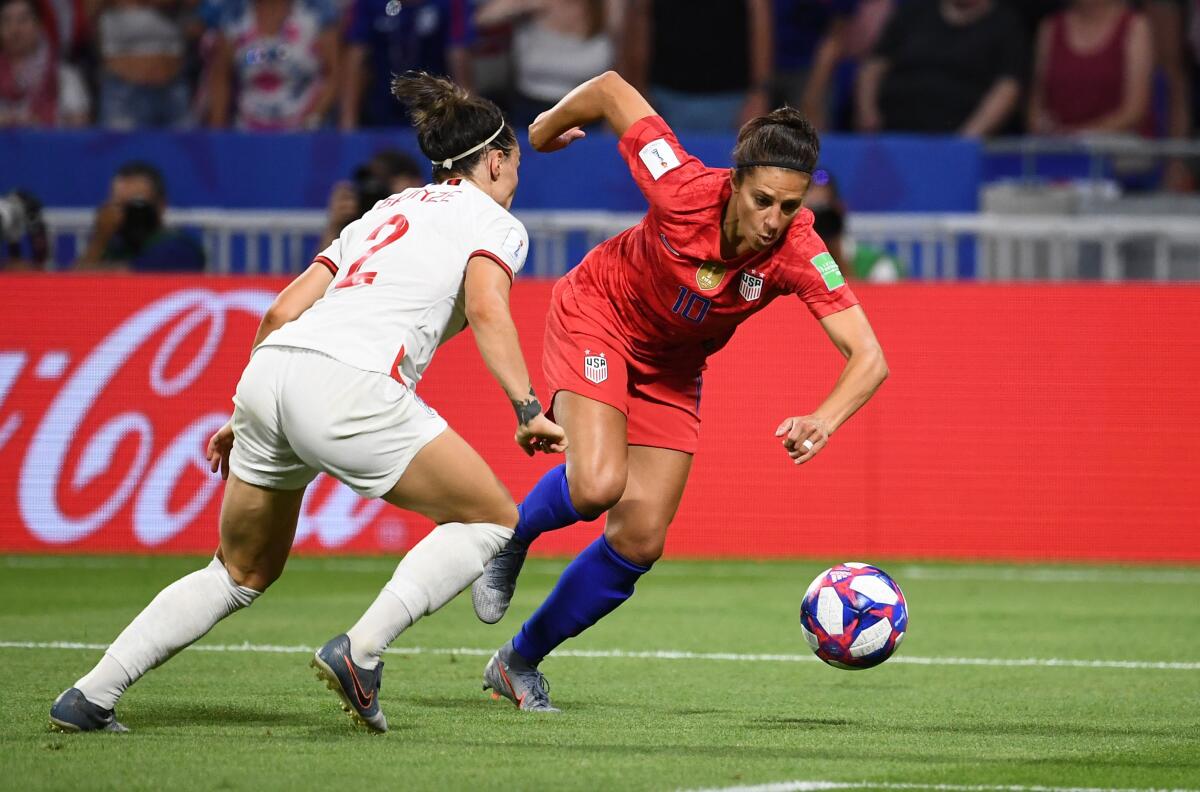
[[492, 592], [72, 712], [357, 687]]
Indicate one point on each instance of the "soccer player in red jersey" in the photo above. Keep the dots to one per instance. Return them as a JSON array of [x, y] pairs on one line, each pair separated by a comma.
[[627, 337]]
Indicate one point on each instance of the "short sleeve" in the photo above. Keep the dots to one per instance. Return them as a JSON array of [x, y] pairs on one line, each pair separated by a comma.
[[503, 240], [813, 275], [662, 169], [331, 257], [1013, 46]]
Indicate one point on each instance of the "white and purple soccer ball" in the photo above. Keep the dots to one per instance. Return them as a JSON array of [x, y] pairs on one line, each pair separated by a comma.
[[853, 616]]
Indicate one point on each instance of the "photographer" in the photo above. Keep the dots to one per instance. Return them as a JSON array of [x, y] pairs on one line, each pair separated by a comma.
[[129, 233], [24, 244], [386, 173]]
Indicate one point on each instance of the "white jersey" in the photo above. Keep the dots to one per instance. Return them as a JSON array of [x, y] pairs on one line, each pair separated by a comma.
[[397, 290]]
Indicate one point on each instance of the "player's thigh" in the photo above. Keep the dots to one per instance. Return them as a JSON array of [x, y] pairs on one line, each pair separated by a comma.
[[637, 525], [258, 525], [596, 452], [447, 481]]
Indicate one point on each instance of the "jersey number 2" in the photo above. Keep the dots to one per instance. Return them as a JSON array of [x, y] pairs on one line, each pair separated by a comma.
[[399, 225]]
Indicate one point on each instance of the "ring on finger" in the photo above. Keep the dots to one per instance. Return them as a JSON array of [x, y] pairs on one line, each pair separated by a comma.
[[808, 445]]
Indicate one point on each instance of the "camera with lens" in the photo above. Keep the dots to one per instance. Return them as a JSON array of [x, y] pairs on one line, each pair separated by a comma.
[[20, 219], [369, 187], [140, 220]]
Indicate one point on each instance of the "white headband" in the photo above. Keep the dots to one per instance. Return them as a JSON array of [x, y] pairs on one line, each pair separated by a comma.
[[448, 163]]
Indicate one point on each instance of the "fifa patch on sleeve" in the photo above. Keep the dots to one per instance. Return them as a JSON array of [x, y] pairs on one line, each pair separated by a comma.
[[829, 272], [514, 247], [659, 157]]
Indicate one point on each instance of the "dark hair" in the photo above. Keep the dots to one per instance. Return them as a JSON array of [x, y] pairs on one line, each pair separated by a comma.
[[782, 138], [450, 121], [146, 171]]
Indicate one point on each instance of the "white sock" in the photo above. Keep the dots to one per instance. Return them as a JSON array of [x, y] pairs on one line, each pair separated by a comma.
[[180, 615], [433, 573]]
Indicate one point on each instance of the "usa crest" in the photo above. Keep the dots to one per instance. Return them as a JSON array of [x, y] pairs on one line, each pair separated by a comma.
[[710, 275], [595, 367], [750, 286]]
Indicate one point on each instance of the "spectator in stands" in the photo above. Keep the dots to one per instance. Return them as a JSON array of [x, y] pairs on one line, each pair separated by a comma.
[[851, 35], [387, 37], [1093, 71], [274, 64], [36, 89], [944, 66], [388, 172], [857, 261], [1175, 26], [556, 45], [142, 51], [706, 64], [69, 23], [129, 233]]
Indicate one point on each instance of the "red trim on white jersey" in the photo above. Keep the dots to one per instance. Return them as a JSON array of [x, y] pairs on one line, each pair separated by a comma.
[[454, 182], [490, 255], [327, 262]]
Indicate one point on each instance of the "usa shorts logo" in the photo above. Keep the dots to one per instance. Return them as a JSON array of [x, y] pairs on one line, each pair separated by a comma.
[[595, 367], [750, 287]]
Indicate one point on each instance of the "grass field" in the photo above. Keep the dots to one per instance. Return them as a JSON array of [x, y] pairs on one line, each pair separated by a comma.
[[646, 704]]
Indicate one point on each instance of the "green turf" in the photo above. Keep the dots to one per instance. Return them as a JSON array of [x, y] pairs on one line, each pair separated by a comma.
[[259, 721]]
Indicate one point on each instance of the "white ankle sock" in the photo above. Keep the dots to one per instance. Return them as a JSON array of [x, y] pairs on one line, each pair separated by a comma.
[[181, 614], [433, 573]]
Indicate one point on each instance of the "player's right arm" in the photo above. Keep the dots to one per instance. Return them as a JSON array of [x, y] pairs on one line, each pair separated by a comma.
[[296, 298], [606, 97], [487, 290]]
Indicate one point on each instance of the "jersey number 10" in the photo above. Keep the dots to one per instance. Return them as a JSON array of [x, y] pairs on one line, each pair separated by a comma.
[[399, 225], [691, 306]]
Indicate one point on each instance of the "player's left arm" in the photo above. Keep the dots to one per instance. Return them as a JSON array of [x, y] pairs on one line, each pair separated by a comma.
[[296, 298], [805, 435]]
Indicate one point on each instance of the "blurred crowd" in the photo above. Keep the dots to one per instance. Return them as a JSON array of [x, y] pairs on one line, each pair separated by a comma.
[[972, 67]]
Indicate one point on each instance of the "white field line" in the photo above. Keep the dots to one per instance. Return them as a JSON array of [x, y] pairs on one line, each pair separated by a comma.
[[819, 786], [981, 572], [1026, 662]]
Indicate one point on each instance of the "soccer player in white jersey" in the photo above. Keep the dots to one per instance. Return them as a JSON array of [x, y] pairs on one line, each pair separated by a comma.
[[330, 388]]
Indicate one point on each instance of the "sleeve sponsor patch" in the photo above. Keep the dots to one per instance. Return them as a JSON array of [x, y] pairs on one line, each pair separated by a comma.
[[827, 268], [659, 157], [514, 247]]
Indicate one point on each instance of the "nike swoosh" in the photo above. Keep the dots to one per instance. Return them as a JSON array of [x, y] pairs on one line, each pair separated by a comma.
[[364, 700]]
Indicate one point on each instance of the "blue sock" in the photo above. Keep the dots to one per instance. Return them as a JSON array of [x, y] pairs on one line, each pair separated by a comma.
[[591, 587], [547, 506]]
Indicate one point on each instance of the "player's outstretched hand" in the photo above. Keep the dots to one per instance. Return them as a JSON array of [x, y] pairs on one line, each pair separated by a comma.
[[803, 437], [219, 446], [541, 434], [555, 143]]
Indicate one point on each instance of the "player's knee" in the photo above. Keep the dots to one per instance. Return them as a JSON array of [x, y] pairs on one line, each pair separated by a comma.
[[595, 492], [258, 577], [643, 550]]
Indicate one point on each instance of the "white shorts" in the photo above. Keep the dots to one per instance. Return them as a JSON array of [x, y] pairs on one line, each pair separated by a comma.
[[298, 412]]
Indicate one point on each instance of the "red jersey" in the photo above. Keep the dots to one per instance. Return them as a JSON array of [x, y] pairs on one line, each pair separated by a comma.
[[662, 286]]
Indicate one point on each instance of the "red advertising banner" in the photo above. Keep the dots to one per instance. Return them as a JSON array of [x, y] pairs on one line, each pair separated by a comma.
[[1022, 422]]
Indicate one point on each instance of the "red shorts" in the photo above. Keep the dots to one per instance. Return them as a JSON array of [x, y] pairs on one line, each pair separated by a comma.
[[584, 355]]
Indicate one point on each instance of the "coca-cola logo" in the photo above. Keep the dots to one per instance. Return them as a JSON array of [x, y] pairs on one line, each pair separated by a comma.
[[76, 442]]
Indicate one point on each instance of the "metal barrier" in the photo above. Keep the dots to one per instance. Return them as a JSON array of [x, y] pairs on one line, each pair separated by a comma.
[[934, 246]]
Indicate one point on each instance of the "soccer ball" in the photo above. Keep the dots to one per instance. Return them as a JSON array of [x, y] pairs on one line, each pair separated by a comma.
[[853, 616]]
